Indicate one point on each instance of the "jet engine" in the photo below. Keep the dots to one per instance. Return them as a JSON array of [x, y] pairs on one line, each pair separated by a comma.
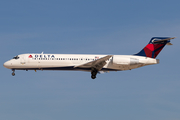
[[120, 60]]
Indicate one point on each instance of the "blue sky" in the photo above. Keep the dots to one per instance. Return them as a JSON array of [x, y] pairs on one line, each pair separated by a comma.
[[89, 27]]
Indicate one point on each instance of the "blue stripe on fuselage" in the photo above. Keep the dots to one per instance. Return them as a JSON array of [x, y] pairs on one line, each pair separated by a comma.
[[64, 68]]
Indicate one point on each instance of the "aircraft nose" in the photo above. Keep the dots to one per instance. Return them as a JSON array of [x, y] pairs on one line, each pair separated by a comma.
[[7, 64]]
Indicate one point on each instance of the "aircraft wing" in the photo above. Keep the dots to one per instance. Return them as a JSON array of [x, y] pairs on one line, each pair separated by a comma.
[[98, 64]]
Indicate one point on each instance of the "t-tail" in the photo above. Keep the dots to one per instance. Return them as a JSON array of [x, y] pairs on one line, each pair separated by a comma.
[[155, 46]]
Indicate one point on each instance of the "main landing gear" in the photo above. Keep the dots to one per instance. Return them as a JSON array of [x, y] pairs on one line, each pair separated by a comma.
[[13, 73], [94, 72]]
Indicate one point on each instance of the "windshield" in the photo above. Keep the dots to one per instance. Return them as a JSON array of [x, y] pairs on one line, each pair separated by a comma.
[[16, 57]]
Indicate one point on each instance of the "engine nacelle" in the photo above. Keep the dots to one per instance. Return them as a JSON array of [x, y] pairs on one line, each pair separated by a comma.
[[118, 60]]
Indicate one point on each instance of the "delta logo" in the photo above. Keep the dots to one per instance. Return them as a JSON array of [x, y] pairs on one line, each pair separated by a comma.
[[42, 56], [30, 56]]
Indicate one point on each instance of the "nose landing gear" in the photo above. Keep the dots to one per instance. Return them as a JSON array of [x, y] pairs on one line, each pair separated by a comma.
[[13, 73]]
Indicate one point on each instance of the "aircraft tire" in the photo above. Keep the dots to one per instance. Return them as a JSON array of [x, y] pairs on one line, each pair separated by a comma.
[[93, 77], [13, 74]]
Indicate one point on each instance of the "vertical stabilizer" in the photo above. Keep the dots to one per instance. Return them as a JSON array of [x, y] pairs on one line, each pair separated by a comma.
[[154, 47]]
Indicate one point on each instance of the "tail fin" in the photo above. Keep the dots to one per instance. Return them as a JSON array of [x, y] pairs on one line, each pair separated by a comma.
[[155, 46]]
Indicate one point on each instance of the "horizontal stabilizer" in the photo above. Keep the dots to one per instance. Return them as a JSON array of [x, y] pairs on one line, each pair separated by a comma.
[[162, 40], [169, 43]]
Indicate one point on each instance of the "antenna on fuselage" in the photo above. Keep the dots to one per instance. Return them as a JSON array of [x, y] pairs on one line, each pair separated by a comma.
[[42, 53]]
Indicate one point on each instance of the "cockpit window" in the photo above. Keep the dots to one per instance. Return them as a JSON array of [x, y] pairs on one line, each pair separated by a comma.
[[16, 57]]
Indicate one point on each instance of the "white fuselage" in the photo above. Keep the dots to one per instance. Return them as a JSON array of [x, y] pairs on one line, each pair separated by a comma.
[[70, 61]]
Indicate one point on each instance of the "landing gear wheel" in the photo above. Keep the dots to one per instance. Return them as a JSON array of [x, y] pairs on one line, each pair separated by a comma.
[[93, 77], [93, 73], [13, 74]]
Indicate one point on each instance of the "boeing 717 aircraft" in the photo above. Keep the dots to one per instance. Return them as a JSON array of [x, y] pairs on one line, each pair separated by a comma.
[[91, 63]]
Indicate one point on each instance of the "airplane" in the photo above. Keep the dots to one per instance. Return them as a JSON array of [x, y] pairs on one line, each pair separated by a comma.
[[90, 63]]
